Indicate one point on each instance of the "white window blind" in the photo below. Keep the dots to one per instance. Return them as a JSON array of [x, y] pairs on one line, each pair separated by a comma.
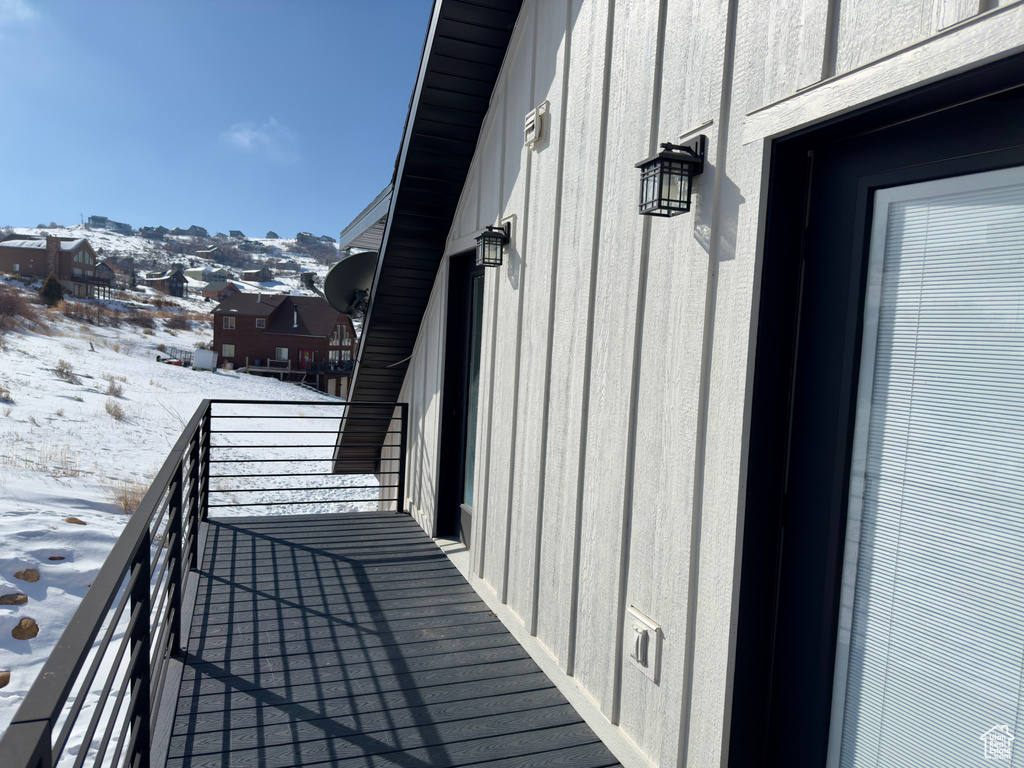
[[930, 651]]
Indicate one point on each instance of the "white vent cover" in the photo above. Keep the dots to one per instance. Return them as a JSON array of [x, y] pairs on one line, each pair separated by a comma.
[[533, 128]]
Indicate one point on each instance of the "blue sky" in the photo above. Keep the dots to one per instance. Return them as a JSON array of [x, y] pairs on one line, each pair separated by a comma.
[[230, 114]]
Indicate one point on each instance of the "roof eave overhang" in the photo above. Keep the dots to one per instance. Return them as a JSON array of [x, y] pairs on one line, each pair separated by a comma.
[[465, 47]]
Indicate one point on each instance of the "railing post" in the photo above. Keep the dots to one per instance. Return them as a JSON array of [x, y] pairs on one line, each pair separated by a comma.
[[403, 410], [206, 429], [141, 640], [195, 490], [175, 527]]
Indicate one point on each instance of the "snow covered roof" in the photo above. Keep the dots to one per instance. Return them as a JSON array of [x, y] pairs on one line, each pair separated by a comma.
[[65, 245]]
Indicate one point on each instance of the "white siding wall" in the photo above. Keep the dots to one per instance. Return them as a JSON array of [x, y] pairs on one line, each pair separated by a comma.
[[616, 348]]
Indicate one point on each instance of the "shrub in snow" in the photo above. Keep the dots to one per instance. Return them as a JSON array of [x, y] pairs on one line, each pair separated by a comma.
[[126, 495], [114, 409], [14, 304], [52, 291], [178, 323], [66, 372]]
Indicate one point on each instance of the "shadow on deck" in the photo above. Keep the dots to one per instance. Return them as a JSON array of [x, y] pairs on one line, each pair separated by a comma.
[[353, 640]]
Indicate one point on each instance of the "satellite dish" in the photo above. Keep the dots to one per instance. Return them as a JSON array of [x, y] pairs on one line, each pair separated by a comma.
[[347, 285]]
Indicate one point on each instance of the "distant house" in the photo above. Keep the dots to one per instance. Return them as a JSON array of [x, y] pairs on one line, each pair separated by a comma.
[[105, 271], [208, 274], [72, 260], [220, 289], [214, 252], [125, 267], [98, 222], [326, 239], [272, 235], [153, 233], [120, 227], [235, 233], [306, 238], [197, 231], [271, 334], [178, 231], [261, 275], [172, 283]]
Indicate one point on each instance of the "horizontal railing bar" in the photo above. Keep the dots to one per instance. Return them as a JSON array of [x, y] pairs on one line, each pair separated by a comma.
[[87, 742], [293, 474], [164, 594], [305, 403], [293, 461], [127, 721], [308, 488], [289, 503], [293, 446], [159, 650], [357, 432], [90, 674], [293, 417]]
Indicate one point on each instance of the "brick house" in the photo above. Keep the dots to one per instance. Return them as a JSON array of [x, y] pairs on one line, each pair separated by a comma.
[[220, 289], [302, 337], [72, 260]]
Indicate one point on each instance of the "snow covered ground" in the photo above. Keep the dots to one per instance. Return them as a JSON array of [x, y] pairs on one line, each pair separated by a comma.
[[86, 412]]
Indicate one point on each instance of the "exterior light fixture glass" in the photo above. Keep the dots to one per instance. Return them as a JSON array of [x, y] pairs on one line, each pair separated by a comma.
[[665, 179], [490, 245]]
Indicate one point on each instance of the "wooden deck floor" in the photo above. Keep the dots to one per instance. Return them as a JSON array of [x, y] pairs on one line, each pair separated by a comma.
[[352, 640]]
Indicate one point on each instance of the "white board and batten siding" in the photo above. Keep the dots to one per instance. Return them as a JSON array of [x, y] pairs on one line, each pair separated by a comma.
[[616, 351]]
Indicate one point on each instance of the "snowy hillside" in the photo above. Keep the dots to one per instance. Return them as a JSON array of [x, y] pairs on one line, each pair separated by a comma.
[[154, 255], [87, 416]]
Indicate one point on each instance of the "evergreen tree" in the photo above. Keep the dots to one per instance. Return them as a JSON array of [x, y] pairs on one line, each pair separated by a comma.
[[52, 291]]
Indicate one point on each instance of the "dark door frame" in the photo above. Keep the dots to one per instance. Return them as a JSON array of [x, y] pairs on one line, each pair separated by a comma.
[[452, 519], [804, 391]]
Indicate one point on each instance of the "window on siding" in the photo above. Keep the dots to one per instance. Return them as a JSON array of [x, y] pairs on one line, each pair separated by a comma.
[[281, 353], [261, 322], [332, 355], [17, 267], [335, 335], [227, 350], [229, 324], [346, 354]]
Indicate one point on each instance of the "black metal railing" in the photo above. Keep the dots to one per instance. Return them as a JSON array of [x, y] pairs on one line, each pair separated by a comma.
[[97, 699]]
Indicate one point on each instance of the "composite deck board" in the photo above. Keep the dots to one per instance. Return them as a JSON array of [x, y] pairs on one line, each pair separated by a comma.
[[352, 640]]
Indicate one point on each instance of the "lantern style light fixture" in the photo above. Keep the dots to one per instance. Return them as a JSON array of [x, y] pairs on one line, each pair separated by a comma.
[[665, 179], [490, 245]]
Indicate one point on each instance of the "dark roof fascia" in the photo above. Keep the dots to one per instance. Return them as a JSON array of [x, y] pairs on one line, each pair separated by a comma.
[[391, 359]]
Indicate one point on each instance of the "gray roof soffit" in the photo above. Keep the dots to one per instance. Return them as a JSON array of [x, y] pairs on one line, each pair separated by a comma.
[[369, 221], [466, 45]]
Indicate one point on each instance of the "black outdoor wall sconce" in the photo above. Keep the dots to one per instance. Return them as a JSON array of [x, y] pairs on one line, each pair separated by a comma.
[[490, 245], [665, 179]]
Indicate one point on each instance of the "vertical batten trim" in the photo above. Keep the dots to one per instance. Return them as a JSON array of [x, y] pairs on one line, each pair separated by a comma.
[[521, 246], [553, 285], [494, 343], [626, 528], [588, 356], [830, 54], [700, 449]]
